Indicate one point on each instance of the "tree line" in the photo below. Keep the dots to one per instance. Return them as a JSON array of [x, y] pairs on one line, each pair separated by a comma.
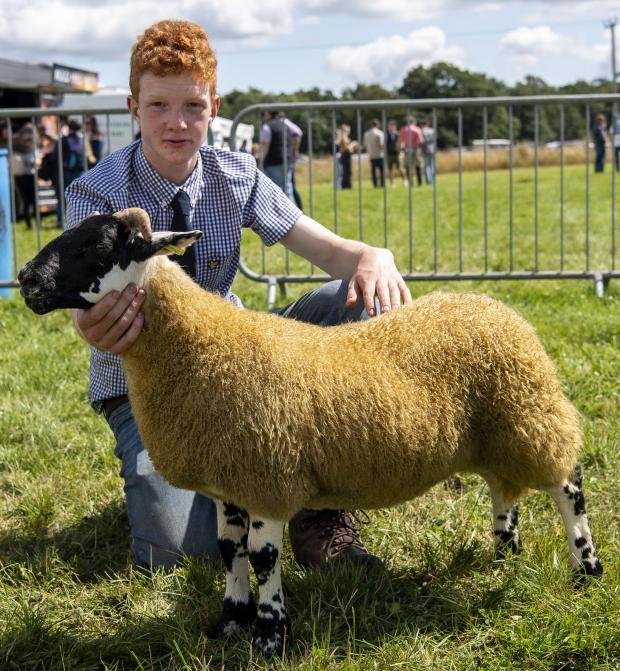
[[441, 80]]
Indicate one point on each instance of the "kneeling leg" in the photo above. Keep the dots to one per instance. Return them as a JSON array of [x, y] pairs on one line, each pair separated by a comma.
[[272, 621], [239, 608], [570, 501]]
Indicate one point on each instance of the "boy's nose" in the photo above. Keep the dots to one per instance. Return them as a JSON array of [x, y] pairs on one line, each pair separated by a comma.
[[177, 119]]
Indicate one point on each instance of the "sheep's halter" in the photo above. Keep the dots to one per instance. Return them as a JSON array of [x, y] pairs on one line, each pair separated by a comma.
[[136, 220]]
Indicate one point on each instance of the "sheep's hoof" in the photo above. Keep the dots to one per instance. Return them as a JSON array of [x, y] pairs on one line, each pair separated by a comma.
[[584, 574], [508, 547], [236, 616], [270, 634]]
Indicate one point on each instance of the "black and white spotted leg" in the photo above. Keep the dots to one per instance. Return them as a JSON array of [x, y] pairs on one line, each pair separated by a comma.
[[239, 609], [571, 503], [272, 620], [505, 524]]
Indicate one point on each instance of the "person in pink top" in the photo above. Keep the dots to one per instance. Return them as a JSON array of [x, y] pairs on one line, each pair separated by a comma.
[[411, 139]]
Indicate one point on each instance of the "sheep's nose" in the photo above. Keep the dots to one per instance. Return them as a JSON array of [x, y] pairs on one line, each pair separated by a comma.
[[31, 281], [25, 277]]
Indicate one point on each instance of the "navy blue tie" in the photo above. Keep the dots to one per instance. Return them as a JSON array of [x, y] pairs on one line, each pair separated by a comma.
[[181, 206]]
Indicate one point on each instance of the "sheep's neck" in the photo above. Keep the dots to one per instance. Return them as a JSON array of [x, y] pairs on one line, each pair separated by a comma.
[[179, 312]]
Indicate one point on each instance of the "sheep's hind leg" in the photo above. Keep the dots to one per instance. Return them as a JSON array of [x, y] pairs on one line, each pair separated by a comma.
[[570, 501], [272, 620], [239, 609], [505, 518]]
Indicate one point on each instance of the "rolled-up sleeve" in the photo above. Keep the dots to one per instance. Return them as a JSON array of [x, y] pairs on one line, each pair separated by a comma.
[[268, 211]]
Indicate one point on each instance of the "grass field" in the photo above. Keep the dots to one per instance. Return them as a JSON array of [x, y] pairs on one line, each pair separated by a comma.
[[71, 599]]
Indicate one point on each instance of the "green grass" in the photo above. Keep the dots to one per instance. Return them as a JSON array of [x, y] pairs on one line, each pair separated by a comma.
[[71, 599]]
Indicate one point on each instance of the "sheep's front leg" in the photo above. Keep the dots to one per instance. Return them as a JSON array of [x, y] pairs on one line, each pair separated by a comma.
[[239, 609], [272, 620]]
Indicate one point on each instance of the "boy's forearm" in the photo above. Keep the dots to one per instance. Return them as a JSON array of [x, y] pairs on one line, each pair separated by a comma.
[[337, 256]]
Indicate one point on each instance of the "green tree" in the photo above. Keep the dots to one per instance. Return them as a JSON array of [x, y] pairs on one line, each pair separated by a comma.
[[444, 80]]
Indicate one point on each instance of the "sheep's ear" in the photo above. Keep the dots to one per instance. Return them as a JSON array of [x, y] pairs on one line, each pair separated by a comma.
[[163, 242], [179, 242]]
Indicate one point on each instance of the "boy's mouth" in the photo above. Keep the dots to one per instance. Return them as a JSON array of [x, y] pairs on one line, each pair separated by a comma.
[[176, 143]]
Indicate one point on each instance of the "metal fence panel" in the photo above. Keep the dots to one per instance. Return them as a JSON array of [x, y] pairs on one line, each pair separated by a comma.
[[421, 250], [448, 230]]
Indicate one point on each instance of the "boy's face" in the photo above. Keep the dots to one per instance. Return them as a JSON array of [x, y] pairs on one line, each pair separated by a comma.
[[174, 113]]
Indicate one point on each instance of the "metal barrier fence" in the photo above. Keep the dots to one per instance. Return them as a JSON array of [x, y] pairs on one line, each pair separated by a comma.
[[449, 230], [49, 195], [426, 216]]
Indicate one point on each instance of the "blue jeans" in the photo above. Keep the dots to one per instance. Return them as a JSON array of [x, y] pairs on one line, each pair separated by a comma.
[[376, 168], [599, 162], [429, 168], [276, 175], [167, 522]]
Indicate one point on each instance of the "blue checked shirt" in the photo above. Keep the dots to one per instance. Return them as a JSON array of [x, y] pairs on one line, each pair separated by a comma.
[[227, 192]]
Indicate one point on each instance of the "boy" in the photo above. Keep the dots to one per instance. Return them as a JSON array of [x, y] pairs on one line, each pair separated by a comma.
[[183, 184]]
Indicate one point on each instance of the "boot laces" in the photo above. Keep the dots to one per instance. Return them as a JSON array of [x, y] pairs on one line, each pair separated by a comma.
[[342, 527]]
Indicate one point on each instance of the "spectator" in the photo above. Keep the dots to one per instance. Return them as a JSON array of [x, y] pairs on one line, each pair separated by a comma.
[[411, 139], [93, 141], [428, 151], [345, 146], [48, 171], [276, 139], [373, 143], [392, 147], [600, 140], [25, 168], [72, 153], [72, 163], [293, 157]]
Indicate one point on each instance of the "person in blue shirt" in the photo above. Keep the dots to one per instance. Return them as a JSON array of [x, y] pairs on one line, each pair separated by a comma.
[[173, 98], [600, 141]]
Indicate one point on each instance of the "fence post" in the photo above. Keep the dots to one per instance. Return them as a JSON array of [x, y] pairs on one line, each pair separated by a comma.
[[6, 245]]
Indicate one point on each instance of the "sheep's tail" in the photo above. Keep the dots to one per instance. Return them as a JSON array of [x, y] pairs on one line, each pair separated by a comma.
[[135, 219]]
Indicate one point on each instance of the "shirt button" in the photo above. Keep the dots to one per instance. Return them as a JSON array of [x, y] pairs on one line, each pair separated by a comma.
[[213, 264]]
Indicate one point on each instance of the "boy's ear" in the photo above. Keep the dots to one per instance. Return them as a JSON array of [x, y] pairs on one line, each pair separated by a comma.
[[215, 106], [132, 106]]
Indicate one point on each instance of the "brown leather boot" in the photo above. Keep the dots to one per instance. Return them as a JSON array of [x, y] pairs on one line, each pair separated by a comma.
[[318, 536]]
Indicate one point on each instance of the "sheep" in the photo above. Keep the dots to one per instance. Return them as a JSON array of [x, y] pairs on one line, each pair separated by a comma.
[[264, 413]]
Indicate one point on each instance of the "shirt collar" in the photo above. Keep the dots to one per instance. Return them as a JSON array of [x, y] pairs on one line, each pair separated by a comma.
[[162, 189]]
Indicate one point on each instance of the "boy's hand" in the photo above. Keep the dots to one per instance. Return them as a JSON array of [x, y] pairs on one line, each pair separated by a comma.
[[376, 274], [114, 323]]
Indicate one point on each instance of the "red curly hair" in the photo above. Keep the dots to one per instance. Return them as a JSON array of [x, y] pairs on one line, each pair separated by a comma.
[[172, 47]]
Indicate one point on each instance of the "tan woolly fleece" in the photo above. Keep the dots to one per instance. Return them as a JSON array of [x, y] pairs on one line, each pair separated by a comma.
[[273, 415]]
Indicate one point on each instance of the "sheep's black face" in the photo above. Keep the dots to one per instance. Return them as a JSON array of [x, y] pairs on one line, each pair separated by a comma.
[[73, 264], [84, 263]]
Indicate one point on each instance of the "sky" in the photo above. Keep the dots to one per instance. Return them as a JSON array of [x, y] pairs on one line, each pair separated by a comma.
[[286, 45]]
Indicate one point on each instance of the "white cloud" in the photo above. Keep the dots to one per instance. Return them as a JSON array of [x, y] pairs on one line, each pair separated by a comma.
[[531, 44], [566, 10], [402, 10], [78, 27], [532, 41], [40, 28], [386, 59]]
